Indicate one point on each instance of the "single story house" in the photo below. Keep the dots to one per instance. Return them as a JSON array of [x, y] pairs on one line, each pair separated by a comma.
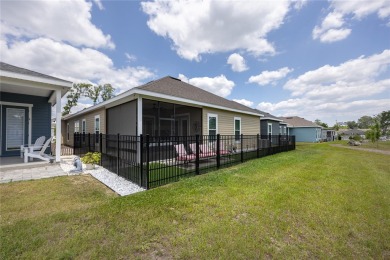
[[26, 100], [164, 107], [304, 130], [349, 133], [272, 125], [328, 135]]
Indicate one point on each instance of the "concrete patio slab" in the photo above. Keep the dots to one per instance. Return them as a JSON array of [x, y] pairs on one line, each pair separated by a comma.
[[38, 172]]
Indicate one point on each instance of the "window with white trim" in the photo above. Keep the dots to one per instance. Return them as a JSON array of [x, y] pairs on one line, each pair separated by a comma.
[[97, 127], [270, 128], [280, 130], [237, 128], [83, 126], [67, 132], [212, 124], [77, 126]]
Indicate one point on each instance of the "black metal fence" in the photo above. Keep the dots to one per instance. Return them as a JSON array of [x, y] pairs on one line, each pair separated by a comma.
[[152, 161]]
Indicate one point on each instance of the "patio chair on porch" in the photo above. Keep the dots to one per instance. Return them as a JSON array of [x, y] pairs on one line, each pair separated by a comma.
[[205, 151], [29, 152], [182, 154], [36, 146]]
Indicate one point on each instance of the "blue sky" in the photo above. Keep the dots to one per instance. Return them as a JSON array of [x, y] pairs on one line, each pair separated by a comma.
[[315, 59]]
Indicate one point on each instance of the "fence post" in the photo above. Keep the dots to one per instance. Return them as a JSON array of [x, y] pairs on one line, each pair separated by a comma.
[[141, 151], [101, 147], [117, 154], [218, 151], [258, 146], [147, 162], [197, 155], [242, 146]]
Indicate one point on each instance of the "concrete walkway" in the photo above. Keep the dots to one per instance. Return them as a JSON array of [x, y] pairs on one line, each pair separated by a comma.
[[23, 174]]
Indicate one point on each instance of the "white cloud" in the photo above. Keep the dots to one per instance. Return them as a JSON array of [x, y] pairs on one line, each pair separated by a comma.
[[219, 85], [244, 102], [333, 27], [99, 4], [237, 62], [67, 62], [267, 77], [130, 57], [64, 21], [330, 30], [353, 78], [298, 4], [198, 27], [341, 92]]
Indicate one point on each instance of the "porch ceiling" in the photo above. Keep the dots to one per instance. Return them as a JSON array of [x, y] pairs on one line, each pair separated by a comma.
[[25, 90]]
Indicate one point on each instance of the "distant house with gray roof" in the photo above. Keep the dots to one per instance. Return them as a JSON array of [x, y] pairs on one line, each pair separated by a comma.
[[304, 130], [164, 107], [272, 125]]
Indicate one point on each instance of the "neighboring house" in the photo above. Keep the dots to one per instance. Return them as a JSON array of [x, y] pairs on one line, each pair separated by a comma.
[[26, 100], [346, 134], [164, 107], [304, 130], [272, 125], [328, 135]]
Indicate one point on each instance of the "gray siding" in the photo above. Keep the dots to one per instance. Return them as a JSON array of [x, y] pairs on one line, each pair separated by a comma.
[[264, 127], [122, 119], [41, 115]]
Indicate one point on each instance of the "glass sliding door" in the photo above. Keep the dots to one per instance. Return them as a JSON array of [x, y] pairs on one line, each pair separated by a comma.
[[15, 128]]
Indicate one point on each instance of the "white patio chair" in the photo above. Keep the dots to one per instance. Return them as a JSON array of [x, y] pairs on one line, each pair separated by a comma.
[[36, 146], [38, 154]]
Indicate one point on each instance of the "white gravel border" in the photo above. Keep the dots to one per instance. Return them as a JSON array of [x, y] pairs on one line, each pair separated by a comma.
[[118, 184]]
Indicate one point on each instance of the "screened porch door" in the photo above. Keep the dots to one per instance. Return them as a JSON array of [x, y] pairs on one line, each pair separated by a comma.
[[14, 130]]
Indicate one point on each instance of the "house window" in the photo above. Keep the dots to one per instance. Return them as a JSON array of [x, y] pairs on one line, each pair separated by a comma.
[[284, 130], [83, 128], [97, 127], [212, 124], [237, 128], [280, 130], [67, 131], [77, 126], [270, 128]]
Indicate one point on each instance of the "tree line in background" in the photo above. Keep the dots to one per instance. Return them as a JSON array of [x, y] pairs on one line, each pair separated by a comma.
[[97, 93], [380, 121]]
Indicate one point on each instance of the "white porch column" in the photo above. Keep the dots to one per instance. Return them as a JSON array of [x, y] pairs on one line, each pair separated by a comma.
[[139, 126], [58, 125], [139, 116], [29, 125]]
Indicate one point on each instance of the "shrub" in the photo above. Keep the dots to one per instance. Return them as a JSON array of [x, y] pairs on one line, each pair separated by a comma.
[[357, 138], [91, 158]]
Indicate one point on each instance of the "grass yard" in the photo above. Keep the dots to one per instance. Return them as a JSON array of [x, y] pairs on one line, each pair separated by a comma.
[[316, 202], [380, 145]]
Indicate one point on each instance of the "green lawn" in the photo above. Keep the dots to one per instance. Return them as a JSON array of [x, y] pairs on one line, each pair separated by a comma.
[[316, 202]]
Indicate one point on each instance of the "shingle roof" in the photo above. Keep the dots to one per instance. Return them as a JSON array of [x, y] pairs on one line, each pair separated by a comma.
[[11, 68], [177, 88], [297, 121], [268, 115]]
